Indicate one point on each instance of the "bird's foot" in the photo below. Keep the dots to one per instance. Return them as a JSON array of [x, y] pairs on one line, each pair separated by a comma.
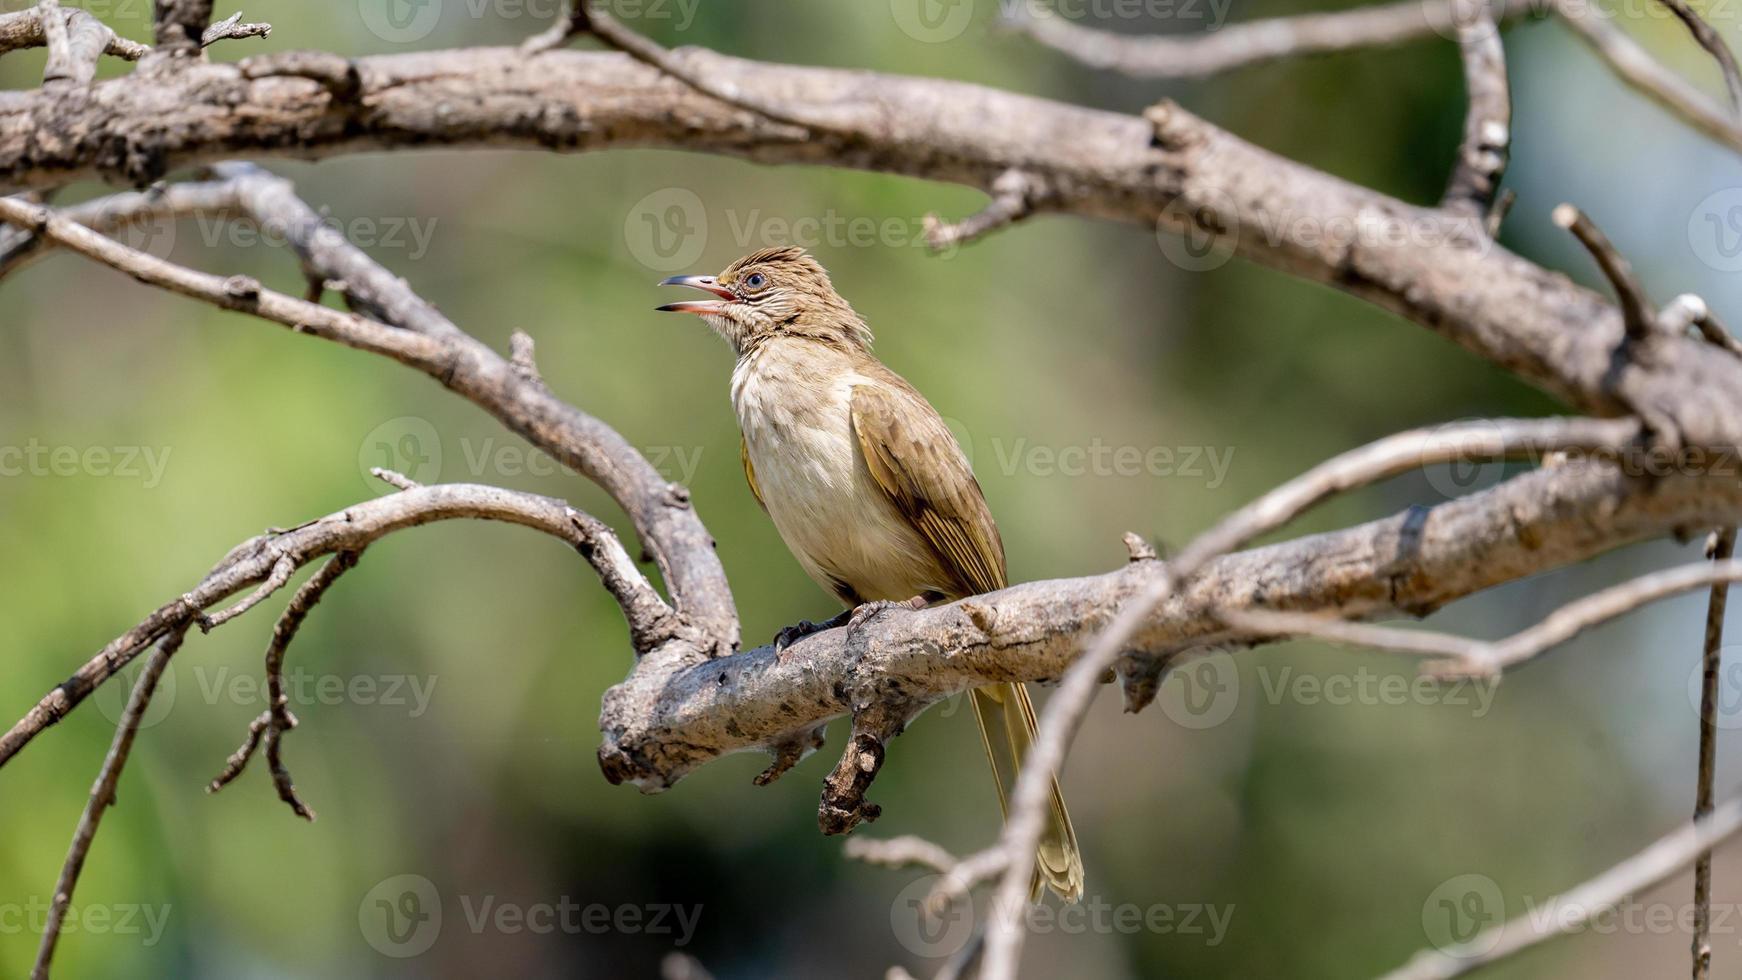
[[866, 610], [789, 635]]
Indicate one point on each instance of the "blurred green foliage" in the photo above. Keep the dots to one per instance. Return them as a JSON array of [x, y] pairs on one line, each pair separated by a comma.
[[1323, 828]]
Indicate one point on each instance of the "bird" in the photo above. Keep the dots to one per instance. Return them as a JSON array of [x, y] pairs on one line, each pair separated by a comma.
[[866, 484]]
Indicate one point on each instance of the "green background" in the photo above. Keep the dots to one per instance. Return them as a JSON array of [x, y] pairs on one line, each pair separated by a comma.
[[1327, 832]]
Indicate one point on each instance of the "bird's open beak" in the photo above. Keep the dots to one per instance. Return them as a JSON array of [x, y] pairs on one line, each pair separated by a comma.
[[706, 283]]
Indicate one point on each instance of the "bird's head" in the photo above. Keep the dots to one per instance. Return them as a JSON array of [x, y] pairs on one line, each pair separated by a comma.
[[773, 292]]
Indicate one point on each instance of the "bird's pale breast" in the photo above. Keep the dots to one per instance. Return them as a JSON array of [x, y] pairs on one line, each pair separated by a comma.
[[795, 410]]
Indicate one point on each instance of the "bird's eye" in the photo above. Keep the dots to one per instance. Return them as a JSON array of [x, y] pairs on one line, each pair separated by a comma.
[[756, 280]]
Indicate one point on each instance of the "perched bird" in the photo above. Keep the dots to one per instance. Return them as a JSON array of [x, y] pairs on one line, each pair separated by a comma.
[[864, 482]]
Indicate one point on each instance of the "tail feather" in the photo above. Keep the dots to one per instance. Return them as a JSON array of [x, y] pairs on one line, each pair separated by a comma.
[[1007, 724]]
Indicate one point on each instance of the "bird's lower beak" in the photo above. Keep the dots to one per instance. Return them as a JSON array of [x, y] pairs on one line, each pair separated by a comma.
[[705, 283]]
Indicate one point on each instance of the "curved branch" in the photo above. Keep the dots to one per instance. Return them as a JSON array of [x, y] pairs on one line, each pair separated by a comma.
[[1240, 45], [1635, 66], [429, 342], [351, 530]]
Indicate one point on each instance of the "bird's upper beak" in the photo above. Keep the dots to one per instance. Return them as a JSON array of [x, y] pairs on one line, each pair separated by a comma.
[[707, 283]]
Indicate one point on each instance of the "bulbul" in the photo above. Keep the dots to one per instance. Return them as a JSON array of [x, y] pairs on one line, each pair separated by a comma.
[[864, 481]]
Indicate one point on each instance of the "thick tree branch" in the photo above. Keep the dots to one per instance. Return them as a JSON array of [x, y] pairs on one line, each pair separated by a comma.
[[1409, 260], [671, 716], [1481, 161]]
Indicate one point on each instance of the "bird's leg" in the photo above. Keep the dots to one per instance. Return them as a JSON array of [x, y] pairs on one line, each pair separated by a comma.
[[789, 635], [850, 618]]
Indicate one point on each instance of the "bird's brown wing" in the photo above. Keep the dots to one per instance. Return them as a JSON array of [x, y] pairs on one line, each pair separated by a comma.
[[915, 461], [750, 473], [914, 458]]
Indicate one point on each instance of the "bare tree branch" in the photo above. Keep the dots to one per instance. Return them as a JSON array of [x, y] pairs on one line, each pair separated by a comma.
[[1688, 310], [178, 25], [1635, 66], [278, 718], [1482, 658], [1723, 546], [1240, 45], [103, 794], [232, 27], [1652, 866], [1448, 277], [429, 342], [1714, 44], [1014, 853], [1636, 309], [1481, 160], [351, 530], [29, 29], [1014, 195]]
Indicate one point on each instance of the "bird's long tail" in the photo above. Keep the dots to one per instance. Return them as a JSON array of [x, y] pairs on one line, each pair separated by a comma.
[[1007, 723]]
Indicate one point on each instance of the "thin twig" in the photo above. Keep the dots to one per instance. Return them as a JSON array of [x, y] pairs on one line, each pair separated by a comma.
[[351, 529], [103, 795], [586, 18], [1688, 310], [1485, 658], [1714, 44], [1637, 312], [233, 293], [1395, 454], [1722, 548], [232, 27], [1014, 196], [1481, 161], [281, 573], [900, 852], [28, 29], [1652, 866], [1635, 66], [277, 702], [1239, 45]]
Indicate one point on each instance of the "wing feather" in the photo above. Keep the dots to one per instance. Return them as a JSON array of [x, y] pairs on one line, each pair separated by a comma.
[[914, 459], [750, 473]]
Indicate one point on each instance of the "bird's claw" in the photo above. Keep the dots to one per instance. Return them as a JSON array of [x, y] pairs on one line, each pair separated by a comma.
[[865, 611], [789, 635]]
